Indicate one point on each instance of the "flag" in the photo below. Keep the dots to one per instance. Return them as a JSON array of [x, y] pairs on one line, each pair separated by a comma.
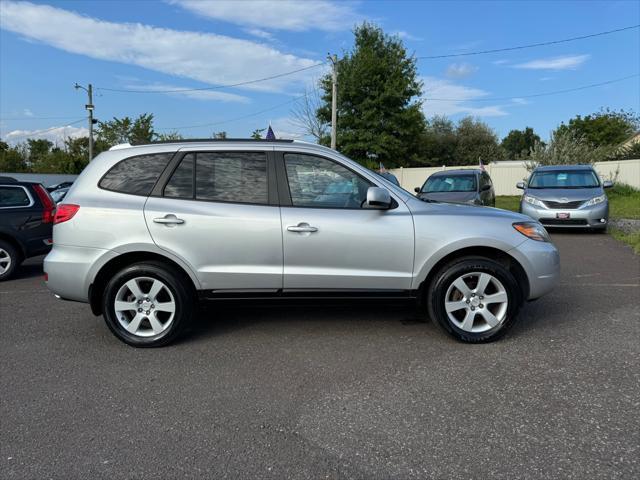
[[481, 164], [382, 169], [270, 134]]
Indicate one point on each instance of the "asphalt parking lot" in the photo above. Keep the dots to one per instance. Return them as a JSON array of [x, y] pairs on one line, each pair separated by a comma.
[[347, 391]]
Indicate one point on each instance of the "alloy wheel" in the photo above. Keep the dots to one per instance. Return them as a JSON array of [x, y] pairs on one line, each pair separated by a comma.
[[476, 302], [5, 261], [145, 306]]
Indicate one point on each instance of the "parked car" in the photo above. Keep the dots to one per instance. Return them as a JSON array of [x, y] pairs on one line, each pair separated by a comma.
[[26, 219], [472, 186], [566, 196], [148, 230], [58, 186], [59, 194]]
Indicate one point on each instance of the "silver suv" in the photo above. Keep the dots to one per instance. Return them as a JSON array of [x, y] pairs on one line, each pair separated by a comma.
[[148, 230]]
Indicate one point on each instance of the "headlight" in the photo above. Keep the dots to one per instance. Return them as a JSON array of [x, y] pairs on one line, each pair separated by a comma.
[[532, 230], [596, 200], [533, 201]]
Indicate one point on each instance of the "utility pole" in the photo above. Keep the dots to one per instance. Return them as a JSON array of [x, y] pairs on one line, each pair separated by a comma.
[[89, 107], [334, 99]]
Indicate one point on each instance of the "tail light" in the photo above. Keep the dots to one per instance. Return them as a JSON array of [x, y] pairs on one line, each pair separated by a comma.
[[47, 203], [65, 212]]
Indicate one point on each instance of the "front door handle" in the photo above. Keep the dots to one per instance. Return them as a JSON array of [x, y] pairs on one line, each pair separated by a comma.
[[302, 228], [169, 219]]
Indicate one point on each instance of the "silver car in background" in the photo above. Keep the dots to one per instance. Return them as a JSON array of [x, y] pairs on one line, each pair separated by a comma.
[[566, 196], [148, 230]]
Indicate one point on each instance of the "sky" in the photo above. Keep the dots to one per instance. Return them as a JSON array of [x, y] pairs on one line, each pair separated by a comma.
[[153, 47]]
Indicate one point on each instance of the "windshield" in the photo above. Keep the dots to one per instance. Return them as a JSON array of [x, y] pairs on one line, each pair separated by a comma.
[[450, 183], [564, 179]]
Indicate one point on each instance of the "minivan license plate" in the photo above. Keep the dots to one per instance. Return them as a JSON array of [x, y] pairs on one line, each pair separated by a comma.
[[563, 216]]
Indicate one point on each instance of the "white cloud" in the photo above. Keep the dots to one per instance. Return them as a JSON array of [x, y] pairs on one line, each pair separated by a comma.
[[453, 98], [206, 57], [27, 112], [567, 62], [257, 32], [57, 135], [406, 35], [460, 70], [501, 61], [293, 15], [211, 95]]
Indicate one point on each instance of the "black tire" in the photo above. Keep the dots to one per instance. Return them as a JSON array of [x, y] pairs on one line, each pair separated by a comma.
[[437, 292], [14, 259], [178, 284]]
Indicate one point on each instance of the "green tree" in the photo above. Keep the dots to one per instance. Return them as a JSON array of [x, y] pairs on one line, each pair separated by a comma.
[[13, 159], [438, 142], [379, 111], [567, 148], [219, 135], [606, 127], [169, 136], [476, 141], [518, 143], [257, 133], [126, 130]]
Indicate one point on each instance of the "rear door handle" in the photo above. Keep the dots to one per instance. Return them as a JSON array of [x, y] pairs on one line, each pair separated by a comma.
[[169, 219], [302, 228]]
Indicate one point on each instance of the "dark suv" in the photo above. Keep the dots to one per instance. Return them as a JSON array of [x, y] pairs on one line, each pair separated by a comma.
[[26, 220], [472, 186]]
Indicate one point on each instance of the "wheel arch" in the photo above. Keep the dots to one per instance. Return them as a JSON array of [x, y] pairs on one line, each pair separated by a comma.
[[96, 289], [492, 253], [14, 243]]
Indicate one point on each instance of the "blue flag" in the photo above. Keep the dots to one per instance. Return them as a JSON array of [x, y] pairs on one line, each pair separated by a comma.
[[270, 134]]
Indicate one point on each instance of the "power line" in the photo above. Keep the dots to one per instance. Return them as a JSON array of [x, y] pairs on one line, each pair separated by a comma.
[[236, 118], [215, 87], [544, 94], [531, 45]]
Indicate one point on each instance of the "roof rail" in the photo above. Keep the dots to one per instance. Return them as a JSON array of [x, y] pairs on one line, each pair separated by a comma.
[[206, 140]]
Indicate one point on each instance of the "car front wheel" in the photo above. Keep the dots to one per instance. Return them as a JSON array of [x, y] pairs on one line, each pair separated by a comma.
[[148, 304], [474, 299]]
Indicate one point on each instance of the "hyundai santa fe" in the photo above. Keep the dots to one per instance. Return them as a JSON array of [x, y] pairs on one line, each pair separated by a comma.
[[146, 231]]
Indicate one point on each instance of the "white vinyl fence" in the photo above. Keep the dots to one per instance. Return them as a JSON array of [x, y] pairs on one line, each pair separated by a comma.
[[505, 175]]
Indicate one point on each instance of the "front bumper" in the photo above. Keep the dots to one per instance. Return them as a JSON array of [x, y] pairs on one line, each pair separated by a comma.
[[71, 270], [541, 262], [596, 216]]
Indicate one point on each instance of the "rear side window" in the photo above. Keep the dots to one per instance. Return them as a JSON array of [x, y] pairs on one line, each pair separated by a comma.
[[136, 175], [238, 177], [13, 197]]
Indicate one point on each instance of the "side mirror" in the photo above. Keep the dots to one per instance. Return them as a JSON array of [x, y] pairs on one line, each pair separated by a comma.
[[520, 185], [607, 184], [417, 189], [485, 188], [378, 198]]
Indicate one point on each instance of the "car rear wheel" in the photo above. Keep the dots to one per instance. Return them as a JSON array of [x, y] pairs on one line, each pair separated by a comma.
[[148, 304], [9, 260], [474, 299]]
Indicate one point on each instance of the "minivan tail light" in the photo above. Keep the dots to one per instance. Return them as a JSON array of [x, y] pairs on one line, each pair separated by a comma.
[[64, 212], [47, 203]]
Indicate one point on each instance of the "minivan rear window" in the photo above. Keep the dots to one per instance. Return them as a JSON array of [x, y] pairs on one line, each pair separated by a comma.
[[136, 175]]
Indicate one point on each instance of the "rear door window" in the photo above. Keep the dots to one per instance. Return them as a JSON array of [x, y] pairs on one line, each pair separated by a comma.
[[237, 177], [12, 197], [136, 175]]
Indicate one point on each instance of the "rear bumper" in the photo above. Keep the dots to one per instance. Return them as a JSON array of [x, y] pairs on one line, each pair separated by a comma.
[[541, 262], [586, 217], [70, 270]]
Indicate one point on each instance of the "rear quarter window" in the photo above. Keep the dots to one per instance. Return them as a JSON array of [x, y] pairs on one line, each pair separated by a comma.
[[14, 197], [136, 175]]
